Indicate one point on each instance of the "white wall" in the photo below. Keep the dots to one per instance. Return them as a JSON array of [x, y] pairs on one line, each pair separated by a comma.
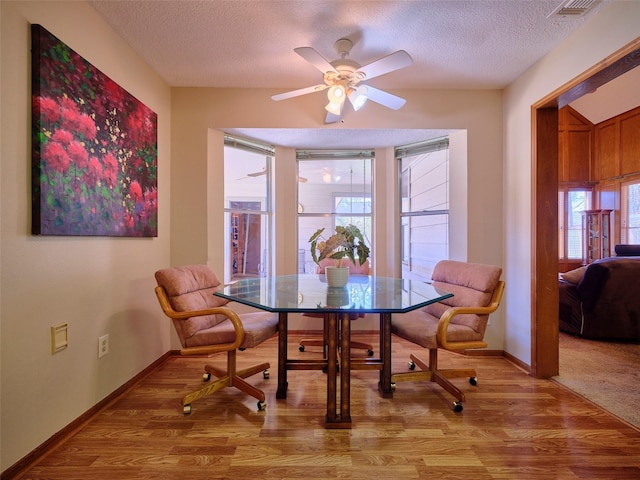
[[615, 26], [98, 285]]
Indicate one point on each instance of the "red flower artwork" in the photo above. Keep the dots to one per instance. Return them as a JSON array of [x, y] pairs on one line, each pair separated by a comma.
[[94, 149]]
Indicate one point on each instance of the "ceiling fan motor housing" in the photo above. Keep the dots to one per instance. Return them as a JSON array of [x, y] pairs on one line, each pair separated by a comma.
[[348, 75], [343, 46]]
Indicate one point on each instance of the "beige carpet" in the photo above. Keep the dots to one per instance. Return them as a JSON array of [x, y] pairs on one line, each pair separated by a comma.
[[607, 373]]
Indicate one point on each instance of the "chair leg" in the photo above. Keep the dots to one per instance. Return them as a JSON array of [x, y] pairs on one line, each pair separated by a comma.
[[208, 389], [247, 388], [229, 378], [244, 373], [430, 372], [448, 386], [363, 346], [307, 342]]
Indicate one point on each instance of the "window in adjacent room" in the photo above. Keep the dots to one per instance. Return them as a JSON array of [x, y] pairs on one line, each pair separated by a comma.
[[247, 206], [334, 188], [424, 206], [572, 201], [630, 212]]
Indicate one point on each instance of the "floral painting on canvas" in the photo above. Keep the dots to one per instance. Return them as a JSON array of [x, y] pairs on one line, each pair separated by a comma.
[[94, 149]]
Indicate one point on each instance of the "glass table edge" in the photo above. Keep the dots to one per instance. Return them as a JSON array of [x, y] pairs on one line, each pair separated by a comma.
[[266, 308]]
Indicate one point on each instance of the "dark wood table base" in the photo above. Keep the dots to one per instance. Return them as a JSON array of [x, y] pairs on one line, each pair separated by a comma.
[[338, 360]]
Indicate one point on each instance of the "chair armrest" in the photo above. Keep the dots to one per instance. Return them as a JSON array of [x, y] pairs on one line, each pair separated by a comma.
[[226, 311], [448, 315]]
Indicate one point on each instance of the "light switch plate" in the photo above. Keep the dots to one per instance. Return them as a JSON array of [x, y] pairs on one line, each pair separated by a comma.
[[59, 337]]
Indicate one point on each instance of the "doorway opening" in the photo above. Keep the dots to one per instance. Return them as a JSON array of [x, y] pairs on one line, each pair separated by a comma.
[[544, 301]]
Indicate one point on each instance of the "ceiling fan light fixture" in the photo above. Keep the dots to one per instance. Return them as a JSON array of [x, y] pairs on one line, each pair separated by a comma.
[[328, 178], [335, 108], [358, 97], [336, 94]]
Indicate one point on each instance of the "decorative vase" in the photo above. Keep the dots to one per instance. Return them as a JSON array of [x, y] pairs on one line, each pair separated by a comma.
[[336, 276]]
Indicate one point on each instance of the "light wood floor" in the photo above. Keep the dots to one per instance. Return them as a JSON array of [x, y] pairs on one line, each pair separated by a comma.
[[513, 427]]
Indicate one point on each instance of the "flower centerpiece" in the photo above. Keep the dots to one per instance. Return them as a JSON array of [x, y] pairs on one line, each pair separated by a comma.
[[348, 242]]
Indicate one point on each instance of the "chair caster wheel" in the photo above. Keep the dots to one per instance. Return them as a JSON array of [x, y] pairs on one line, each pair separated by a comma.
[[262, 406], [206, 377], [473, 381], [457, 407], [412, 366], [265, 374], [301, 348], [186, 409], [370, 353]]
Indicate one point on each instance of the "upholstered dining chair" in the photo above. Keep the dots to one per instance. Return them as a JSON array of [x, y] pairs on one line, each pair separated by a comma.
[[455, 324], [353, 270], [206, 326]]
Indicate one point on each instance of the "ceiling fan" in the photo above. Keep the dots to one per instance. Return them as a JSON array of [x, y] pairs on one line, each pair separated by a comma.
[[264, 172], [343, 76]]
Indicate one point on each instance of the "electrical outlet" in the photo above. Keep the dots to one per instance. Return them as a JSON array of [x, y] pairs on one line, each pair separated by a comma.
[[103, 345]]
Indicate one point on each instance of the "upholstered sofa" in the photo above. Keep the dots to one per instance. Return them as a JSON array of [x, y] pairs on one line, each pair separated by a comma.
[[602, 299]]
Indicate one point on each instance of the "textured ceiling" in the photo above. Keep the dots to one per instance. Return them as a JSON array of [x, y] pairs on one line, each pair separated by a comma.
[[249, 43], [465, 44]]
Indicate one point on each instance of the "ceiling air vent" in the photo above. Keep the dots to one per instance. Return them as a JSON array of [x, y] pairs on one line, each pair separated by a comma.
[[573, 8]]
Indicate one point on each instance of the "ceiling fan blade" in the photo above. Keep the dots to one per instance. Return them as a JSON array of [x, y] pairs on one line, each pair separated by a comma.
[[315, 59], [258, 174], [385, 98], [390, 63], [301, 91], [331, 118]]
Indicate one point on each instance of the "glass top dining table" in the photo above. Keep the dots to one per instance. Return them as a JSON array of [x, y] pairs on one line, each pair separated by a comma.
[[309, 293]]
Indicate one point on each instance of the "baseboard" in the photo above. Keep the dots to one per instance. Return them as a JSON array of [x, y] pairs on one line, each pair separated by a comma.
[[484, 353], [518, 363], [55, 440]]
